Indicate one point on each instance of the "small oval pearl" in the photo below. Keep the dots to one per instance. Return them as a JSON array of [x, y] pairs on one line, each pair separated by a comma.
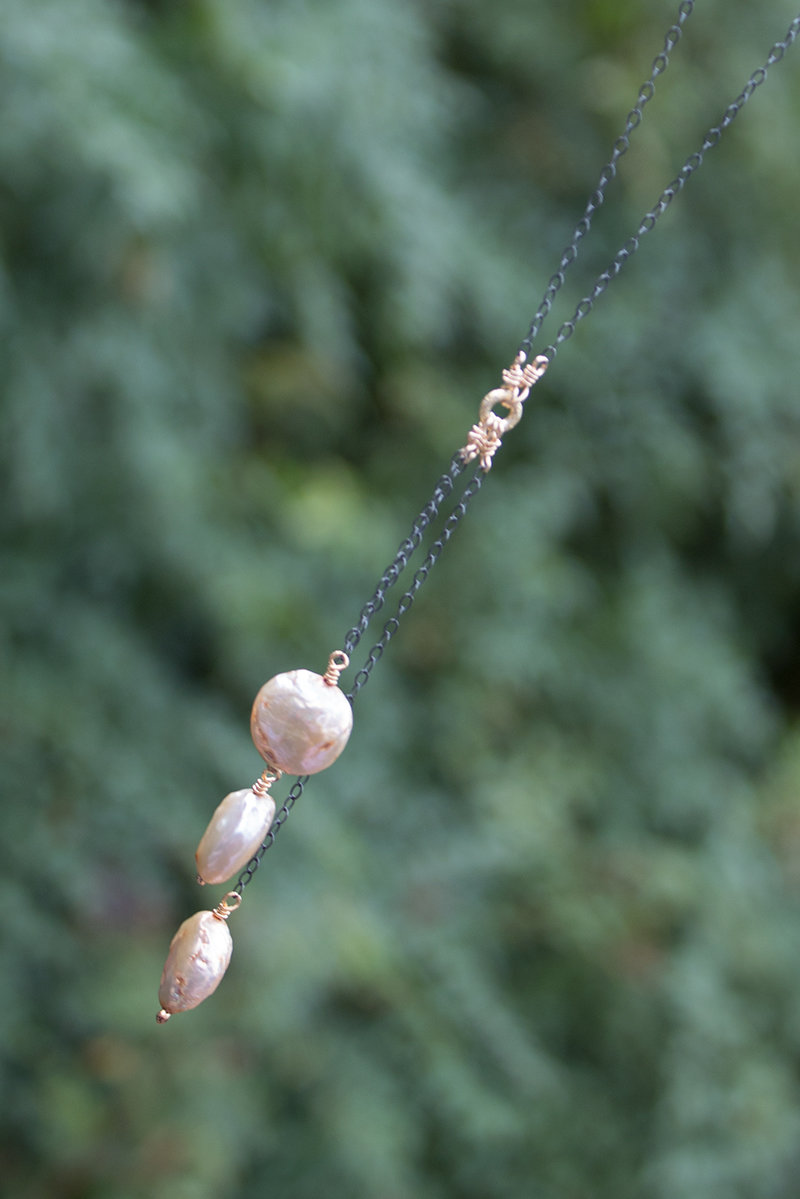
[[300, 723], [198, 957], [235, 832]]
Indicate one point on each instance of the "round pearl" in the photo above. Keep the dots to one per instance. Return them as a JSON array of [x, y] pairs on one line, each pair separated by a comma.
[[300, 723], [198, 957], [234, 834]]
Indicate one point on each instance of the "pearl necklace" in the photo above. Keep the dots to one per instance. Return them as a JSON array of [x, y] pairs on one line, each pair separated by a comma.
[[301, 721]]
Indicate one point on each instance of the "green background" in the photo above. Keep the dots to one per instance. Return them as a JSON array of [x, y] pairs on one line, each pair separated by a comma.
[[537, 933]]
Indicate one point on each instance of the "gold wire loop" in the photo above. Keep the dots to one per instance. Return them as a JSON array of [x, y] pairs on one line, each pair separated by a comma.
[[262, 785], [337, 662], [227, 905], [486, 436]]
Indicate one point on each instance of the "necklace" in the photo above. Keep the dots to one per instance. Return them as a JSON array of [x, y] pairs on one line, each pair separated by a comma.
[[301, 721]]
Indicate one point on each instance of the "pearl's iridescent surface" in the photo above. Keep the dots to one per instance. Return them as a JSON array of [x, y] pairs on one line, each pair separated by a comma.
[[300, 724], [198, 957], [236, 831]]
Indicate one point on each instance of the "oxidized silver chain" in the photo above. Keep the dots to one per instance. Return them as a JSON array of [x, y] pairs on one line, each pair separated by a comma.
[[621, 145], [692, 164]]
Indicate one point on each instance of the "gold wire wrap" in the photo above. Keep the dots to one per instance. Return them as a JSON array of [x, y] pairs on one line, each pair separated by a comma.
[[337, 662], [486, 436], [262, 785], [226, 905]]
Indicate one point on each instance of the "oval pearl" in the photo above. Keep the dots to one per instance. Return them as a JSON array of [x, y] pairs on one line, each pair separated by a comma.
[[300, 724], [235, 832], [198, 957]]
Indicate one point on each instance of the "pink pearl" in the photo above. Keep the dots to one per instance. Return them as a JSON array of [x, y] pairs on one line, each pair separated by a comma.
[[198, 957], [235, 833], [300, 723]]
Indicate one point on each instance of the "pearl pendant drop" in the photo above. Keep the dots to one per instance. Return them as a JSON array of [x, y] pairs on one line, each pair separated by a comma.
[[235, 833], [198, 957], [301, 721]]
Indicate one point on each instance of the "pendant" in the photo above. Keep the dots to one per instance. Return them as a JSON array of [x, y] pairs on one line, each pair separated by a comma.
[[301, 722], [198, 957]]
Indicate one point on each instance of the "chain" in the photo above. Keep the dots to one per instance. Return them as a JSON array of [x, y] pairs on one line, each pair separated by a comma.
[[621, 145], [277, 824], [648, 221], [406, 548], [420, 575], [446, 484]]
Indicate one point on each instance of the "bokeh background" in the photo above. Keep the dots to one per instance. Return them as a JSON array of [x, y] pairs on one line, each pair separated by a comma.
[[538, 930]]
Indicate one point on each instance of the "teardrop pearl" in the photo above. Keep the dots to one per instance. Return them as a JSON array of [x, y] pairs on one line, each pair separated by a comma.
[[198, 957], [235, 833], [300, 724]]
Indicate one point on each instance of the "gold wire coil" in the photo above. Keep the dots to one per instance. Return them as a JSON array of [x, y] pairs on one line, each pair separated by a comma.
[[337, 662], [262, 785], [226, 905]]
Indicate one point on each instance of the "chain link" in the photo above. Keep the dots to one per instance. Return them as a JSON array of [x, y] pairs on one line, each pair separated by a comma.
[[621, 145]]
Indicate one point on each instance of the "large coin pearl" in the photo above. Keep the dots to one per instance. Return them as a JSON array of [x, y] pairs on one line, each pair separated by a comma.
[[198, 957], [235, 833], [300, 723]]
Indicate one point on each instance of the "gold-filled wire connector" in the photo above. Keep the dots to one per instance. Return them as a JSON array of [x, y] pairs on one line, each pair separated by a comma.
[[486, 436]]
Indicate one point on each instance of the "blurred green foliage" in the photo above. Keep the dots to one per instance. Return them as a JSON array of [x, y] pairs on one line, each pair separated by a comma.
[[537, 932]]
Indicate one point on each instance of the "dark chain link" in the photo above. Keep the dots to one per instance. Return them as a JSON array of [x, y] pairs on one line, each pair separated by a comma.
[[446, 483], [692, 164], [621, 145]]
